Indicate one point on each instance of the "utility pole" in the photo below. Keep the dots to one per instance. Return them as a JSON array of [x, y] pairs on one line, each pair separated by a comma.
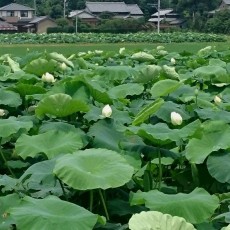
[[35, 8], [64, 8], [157, 7], [158, 19], [76, 23]]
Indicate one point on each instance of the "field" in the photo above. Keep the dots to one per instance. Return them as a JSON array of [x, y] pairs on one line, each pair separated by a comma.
[[68, 49], [115, 136]]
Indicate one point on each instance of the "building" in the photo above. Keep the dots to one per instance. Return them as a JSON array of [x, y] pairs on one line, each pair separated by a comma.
[[6, 27], [168, 19], [91, 14], [85, 16], [22, 19], [224, 5]]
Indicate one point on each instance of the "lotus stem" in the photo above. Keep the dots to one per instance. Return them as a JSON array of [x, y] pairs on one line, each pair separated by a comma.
[[104, 205], [5, 161], [63, 189], [91, 201], [160, 170]]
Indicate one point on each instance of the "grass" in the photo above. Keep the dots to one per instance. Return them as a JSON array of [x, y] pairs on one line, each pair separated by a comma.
[[68, 49]]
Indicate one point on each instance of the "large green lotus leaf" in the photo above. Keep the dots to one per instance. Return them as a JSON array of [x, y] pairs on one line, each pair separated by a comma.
[[60, 58], [147, 73], [148, 111], [38, 172], [51, 143], [162, 134], [217, 62], [164, 87], [113, 73], [226, 228], [40, 66], [18, 76], [9, 98], [122, 91], [153, 220], [64, 127], [97, 91], [12, 125], [219, 166], [105, 135], [51, 213], [213, 114], [40, 181], [93, 168], [6, 202], [28, 89], [60, 105], [4, 70], [215, 136], [77, 90], [195, 207], [212, 72]]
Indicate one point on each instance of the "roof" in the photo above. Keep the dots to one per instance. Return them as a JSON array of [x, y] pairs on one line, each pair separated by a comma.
[[227, 2], [155, 19], [7, 26], [81, 14], [36, 20], [115, 7], [163, 12], [134, 9], [14, 7]]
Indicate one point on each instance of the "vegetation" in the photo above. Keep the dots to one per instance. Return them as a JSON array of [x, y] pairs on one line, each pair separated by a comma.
[[104, 140], [29, 38]]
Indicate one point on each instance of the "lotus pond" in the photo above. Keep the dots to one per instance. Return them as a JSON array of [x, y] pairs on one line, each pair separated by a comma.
[[125, 140]]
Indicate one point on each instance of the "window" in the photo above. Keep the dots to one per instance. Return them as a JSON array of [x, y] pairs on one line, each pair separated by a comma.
[[24, 14], [10, 13]]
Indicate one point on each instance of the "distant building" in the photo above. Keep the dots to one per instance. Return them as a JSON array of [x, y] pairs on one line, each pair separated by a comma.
[[224, 5], [168, 19], [22, 19], [93, 10]]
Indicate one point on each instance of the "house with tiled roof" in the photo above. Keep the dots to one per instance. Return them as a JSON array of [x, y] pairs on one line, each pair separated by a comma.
[[167, 19], [6, 27], [119, 9], [93, 10], [224, 5], [23, 19]]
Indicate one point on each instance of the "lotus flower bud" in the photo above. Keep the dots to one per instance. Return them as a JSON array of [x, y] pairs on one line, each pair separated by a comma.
[[173, 61], [47, 77], [196, 92], [107, 111], [2, 112], [122, 50], [217, 100], [176, 118], [63, 66]]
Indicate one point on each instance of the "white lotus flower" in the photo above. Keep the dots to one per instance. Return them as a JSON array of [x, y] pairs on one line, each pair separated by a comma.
[[160, 47], [162, 52], [98, 51], [2, 112], [176, 118], [173, 61], [217, 100], [47, 77], [122, 50], [63, 66], [107, 111]]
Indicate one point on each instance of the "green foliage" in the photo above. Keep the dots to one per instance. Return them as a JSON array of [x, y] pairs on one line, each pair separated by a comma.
[[65, 165], [65, 37]]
